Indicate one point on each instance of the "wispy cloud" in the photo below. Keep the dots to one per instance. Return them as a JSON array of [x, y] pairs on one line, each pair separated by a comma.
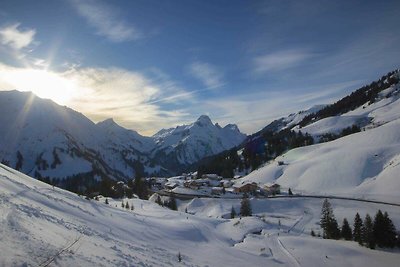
[[280, 60], [127, 96], [15, 37], [105, 20], [209, 75], [264, 107]]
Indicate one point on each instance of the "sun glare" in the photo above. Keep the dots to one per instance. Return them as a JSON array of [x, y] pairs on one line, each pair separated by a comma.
[[44, 84]]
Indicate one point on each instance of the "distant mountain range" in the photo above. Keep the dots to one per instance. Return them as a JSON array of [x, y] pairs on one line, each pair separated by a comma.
[[43, 139]]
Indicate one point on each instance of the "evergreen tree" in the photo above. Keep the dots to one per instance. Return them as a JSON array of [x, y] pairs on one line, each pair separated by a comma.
[[233, 213], [312, 233], [140, 188], [172, 203], [290, 192], [328, 222], [357, 231], [368, 232], [390, 232], [245, 206], [346, 230], [127, 205], [122, 204], [379, 229]]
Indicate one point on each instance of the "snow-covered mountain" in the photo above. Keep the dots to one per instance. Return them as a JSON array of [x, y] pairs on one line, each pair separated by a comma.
[[363, 164], [44, 139], [190, 143]]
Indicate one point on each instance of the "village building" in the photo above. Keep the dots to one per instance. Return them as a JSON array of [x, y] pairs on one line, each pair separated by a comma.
[[246, 188], [217, 190], [272, 188]]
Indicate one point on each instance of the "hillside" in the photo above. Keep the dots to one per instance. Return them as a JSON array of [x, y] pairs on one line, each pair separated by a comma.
[[368, 107], [364, 164], [40, 225], [49, 141]]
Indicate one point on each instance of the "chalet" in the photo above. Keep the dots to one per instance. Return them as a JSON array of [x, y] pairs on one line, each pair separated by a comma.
[[226, 183], [197, 183], [211, 176], [217, 190], [246, 188], [171, 185], [272, 189]]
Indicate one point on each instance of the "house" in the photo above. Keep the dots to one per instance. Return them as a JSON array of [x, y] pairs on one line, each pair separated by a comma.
[[217, 190], [226, 183], [272, 188], [212, 176], [246, 188], [197, 183], [171, 185]]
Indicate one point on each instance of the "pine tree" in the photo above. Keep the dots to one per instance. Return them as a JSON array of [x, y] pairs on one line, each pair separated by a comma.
[[346, 230], [326, 213], [357, 231], [312, 233], [172, 203], [290, 192], [127, 205], [368, 232], [390, 232], [233, 213], [245, 206], [328, 222], [122, 204], [379, 229]]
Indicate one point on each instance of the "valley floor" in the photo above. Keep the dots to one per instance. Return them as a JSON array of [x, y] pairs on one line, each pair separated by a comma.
[[45, 226]]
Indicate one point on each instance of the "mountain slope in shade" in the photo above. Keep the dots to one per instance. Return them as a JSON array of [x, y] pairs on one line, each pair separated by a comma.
[[190, 143], [44, 139]]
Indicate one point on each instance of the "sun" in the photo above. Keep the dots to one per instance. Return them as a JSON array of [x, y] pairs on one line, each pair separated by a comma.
[[44, 84]]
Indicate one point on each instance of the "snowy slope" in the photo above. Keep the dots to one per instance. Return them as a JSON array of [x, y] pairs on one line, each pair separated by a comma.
[[43, 139], [361, 164], [37, 222], [58, 142], [384, 109], [190, 143]]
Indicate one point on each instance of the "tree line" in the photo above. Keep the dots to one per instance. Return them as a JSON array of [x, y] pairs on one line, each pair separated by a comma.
[[371, 233]]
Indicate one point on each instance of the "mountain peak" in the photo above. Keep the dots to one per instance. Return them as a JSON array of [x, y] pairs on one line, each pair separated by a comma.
[[203, 120], [107, 122], [232, 127]]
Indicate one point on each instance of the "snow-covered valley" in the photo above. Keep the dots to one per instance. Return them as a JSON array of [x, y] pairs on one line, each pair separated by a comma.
[[39, 221]]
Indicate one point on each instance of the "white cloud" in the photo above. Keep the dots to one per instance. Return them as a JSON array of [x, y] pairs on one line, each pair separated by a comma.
[[16, 38], [100, 93], [207, 74], [254, 111], [105, 20], [280, 60]]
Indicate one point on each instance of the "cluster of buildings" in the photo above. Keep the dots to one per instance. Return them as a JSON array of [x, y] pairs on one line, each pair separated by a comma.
[[211, 184]]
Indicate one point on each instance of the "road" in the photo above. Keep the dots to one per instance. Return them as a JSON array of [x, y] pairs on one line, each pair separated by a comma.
[[191, 196]]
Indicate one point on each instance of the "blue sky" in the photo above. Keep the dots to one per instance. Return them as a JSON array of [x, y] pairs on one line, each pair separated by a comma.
[[154, 64]]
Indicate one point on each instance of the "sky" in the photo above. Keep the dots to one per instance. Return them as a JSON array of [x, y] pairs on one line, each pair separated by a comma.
[[157, 64]]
